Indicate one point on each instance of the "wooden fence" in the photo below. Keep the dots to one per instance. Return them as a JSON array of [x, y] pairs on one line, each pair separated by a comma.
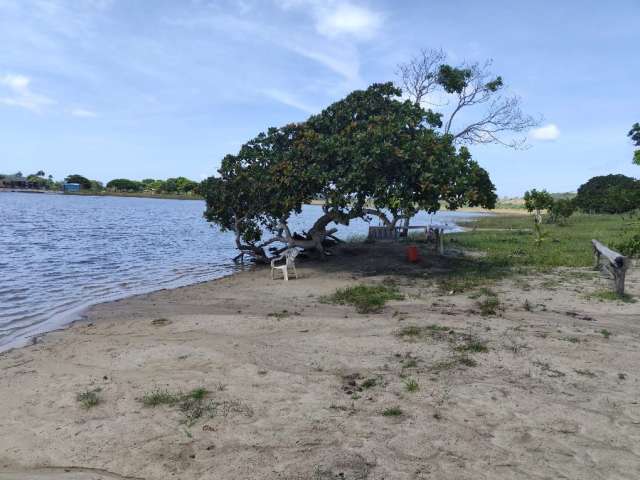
[[613, 262]]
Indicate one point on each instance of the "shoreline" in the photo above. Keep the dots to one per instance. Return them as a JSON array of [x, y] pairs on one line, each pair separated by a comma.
[[79, 314], [62, 320]]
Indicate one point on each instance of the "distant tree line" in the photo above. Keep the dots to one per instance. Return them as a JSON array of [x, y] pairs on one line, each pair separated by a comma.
[[602, 194], [39, 180], [177, 185]]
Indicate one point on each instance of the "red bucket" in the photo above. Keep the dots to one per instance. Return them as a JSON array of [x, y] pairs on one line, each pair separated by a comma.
[[412, 253]]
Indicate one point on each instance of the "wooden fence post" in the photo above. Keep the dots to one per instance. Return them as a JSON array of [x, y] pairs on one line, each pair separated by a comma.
[[615, 263]]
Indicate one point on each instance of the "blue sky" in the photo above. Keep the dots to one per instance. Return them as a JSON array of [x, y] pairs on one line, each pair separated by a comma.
[[159, 88]]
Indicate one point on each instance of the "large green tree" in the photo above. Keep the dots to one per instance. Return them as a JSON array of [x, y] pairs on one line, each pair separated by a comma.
[[124, 185], [609, 194], [466, 101], [83, 181], [370, 148]]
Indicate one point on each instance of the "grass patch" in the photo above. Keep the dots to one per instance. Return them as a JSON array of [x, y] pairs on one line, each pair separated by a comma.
[[369, 383], [392, 412], [453, 362], [89, 398], [279, 315], [611, 296], [565, 246], [434, 330], [605, 333], [194, 404], [160, 397], [473, 345], [409, 331], [366, 298], [410, 385]]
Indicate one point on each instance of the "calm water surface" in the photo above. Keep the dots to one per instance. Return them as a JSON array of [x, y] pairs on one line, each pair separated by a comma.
[[60, 254]]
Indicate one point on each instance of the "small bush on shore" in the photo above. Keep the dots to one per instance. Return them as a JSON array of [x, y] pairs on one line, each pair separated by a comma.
[[89, 398], [366, 298]]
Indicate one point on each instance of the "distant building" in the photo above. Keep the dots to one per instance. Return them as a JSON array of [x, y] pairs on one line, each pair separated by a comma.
[[15, 181], [71, 187]]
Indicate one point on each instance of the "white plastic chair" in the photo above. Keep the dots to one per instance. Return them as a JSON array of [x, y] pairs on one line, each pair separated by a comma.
[[288, 256]]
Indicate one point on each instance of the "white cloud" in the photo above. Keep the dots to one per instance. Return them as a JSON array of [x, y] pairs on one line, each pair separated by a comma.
[[18, 93], [290, 100], [83, 113], [546, 133], [337, 18], [348, 19]]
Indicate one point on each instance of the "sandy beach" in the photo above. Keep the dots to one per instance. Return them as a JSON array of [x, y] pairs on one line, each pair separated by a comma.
[[303, 389]]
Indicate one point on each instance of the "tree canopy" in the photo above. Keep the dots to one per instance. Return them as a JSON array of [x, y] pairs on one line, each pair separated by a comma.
[[124, 185], [365, 154], [83, 181], [609, 194]]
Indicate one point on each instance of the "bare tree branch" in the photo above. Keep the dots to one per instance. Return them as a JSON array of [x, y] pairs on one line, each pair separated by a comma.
[[419, 76], [493, 115]]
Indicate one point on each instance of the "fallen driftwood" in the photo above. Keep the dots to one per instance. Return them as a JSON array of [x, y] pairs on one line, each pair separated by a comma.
[[614, 263]]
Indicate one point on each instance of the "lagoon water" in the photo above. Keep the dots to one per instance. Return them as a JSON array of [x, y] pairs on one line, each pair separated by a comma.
[[60, 254]]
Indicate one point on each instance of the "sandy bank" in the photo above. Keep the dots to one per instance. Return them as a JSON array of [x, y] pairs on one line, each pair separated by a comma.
[[553, 397]]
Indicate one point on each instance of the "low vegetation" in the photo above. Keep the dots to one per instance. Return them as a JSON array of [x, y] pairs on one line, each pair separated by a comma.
[[89, 398], [194, 404], [392, 412], [366, 298], [472, 345], [411, 385], [611, 296]]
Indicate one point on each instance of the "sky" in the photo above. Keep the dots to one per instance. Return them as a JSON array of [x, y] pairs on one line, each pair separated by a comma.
[[164, 88]]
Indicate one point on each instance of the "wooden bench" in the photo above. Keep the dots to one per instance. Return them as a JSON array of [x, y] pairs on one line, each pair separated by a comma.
[[614, 263], [436, 235], [384, 233]]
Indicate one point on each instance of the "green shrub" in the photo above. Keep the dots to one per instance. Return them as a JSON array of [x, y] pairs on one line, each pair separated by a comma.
[[629, 246], [561, 210], [89, 398]]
